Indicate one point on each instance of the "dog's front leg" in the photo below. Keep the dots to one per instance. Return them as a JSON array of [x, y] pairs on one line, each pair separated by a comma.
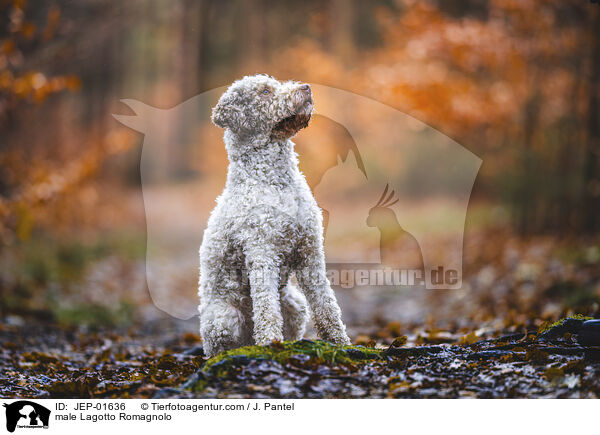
[[326, 312], [264, 290]]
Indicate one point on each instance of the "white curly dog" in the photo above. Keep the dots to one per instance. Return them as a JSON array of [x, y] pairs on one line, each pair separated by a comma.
[[266, 226]]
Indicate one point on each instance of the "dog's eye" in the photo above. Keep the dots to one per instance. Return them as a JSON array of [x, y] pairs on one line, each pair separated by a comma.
[[266, 91]]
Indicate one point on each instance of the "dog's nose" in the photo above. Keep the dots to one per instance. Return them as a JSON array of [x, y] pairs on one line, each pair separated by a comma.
[[305, 88]]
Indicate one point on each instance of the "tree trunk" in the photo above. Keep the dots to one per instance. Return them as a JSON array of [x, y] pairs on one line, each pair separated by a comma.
[[591, 173]]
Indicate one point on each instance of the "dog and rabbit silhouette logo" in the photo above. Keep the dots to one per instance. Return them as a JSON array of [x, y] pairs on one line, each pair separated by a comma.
[[390, 190], [25, 414]]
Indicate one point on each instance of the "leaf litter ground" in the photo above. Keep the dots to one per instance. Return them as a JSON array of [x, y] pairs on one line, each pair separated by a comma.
[[68, 362]]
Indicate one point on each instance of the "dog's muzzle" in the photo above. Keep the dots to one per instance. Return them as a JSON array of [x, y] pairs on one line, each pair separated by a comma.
[[289, 126]]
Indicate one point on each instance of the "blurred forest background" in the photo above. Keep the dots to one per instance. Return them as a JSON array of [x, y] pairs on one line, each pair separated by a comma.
[[514, 81]]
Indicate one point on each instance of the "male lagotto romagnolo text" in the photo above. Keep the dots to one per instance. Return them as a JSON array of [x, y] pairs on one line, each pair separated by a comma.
[[266, 226]]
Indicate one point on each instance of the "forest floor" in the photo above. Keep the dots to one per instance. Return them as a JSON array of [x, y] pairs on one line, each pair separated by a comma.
[[46, 361]]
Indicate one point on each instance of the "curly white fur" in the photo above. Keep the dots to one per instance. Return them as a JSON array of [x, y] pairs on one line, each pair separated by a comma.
[[266, 226]]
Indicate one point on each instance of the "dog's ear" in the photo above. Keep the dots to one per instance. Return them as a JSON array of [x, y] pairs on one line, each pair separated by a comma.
[[224, 114]]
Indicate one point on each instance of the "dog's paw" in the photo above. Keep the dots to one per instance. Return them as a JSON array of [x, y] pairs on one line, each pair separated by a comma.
[[344, 340], [340, 339]]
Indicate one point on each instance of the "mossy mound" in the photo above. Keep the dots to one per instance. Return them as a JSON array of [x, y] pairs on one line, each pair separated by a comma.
[[571, 324], [306, 351]]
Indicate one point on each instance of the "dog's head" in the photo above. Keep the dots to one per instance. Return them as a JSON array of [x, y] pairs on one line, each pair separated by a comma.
[[260, 104]]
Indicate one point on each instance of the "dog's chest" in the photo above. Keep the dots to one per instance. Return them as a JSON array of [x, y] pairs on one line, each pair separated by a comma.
[[274, 214], [281, 205]]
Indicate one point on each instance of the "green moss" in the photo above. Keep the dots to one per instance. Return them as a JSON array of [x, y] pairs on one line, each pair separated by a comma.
[[547, 326], [570, 324], [320, 352], [199, 386]]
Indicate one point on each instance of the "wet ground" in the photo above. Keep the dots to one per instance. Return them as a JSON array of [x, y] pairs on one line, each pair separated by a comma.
[[163, 360]]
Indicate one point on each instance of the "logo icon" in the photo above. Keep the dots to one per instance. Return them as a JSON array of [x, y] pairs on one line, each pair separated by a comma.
[[392, 190], [26, 414]]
